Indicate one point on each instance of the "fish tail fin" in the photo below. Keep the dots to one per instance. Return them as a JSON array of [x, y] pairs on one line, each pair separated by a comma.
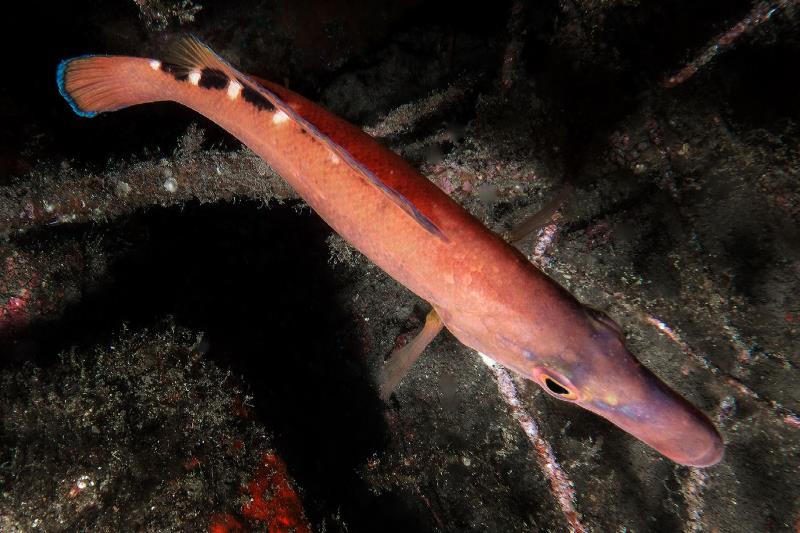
[[96, 84]]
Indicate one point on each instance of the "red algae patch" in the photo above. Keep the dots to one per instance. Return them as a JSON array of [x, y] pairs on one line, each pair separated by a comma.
[[273, 502], [224, 523]]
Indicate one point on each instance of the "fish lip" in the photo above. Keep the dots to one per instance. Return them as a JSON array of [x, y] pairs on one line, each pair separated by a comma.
[[689, 438], [663, 419]]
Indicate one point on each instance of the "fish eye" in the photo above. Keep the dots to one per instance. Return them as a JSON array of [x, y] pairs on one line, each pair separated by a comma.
[[558, 388], [555, 386]]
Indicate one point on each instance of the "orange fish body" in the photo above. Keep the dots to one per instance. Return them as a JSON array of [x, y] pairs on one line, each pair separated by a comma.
[[486, 293]]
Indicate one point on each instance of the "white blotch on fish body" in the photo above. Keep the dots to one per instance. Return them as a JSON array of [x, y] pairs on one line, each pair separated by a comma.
[[335, 159], [280, 117], [155, 64], [194, 77], [234, 89]]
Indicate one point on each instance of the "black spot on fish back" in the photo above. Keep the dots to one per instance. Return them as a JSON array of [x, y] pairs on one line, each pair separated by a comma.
[[254, 97], [211, 78], [178, 72]]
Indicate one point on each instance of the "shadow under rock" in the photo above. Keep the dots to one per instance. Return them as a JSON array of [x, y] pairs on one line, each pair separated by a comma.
[[258, 284]]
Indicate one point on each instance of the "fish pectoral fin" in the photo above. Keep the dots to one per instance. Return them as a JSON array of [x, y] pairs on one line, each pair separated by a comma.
[[401, 360]]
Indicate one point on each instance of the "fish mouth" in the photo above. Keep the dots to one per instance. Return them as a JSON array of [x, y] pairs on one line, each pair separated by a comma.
[[665, 421], [710, 458]]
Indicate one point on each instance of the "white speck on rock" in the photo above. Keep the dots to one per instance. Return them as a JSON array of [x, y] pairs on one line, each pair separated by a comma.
[[171, 185]]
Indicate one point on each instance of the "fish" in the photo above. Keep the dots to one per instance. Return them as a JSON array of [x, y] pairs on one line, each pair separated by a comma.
[[482, 289]]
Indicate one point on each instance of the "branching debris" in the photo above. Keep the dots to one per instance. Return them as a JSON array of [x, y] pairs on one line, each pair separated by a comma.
[[61, 195], [408, 115], [784, 414], [693, 485], [761, 13], [512, 58], [560, 485]]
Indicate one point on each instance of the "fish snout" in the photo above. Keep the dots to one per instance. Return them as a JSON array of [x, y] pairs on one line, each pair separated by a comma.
[[665, 421]]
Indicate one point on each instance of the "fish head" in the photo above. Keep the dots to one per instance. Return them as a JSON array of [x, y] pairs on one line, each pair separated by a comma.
[[596, 371]]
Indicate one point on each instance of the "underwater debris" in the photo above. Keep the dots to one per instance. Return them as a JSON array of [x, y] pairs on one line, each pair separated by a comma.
[[777, 409], [762, 12], [561, 487], [694, 483], [159, 14], [545, 242], [135, 434], [406, 116], [51, 196], [512, 65], [39, 279], [15, 292]]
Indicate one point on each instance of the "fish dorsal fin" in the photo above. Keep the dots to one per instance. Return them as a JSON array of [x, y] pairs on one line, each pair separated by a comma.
[[189, 55]]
